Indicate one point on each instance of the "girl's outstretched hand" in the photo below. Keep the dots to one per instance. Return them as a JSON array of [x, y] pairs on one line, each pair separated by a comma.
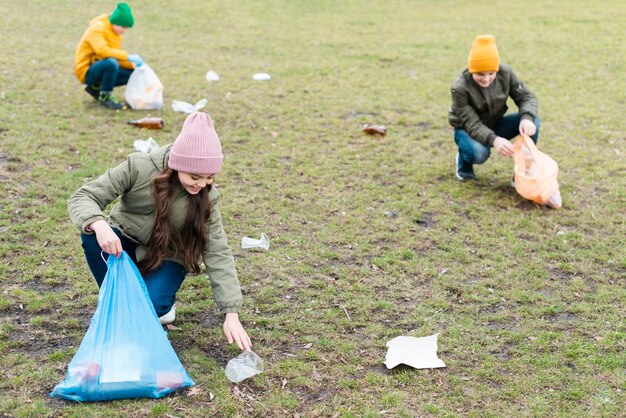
[[234, 331]]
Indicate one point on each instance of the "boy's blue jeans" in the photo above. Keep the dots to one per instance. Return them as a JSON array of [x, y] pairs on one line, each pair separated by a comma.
[[473, 152], [107, 74], [162, 284]]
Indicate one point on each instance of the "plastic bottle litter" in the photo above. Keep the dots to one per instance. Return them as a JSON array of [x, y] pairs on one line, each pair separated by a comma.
[[180, 106], [375, 129], [149, 123], [261, 77], [244, 366], [146, 146], [264, 242], [212, 76]]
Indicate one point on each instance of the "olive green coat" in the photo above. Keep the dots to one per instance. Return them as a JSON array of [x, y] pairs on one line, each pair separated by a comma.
[[477, 110], [133, 215]]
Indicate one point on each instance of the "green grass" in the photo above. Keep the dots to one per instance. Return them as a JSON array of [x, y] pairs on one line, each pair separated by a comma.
[[529, 302]]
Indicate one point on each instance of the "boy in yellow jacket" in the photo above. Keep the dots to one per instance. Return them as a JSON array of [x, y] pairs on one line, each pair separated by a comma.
[[100, 62]]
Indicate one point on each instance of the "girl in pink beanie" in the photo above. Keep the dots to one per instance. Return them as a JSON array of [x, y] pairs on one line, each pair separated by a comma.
[[167, 219]]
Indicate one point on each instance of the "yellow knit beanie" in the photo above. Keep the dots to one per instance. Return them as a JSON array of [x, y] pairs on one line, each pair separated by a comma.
[[483, 57]]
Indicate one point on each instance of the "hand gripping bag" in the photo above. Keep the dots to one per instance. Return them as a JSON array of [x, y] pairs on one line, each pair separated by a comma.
[[125, 352], [535, 174], [144, 89]]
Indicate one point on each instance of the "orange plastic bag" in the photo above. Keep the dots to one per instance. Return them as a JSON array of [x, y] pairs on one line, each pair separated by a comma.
[[535, 174]]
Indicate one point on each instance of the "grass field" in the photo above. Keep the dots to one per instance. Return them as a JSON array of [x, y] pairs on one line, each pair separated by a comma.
[[371, 238]]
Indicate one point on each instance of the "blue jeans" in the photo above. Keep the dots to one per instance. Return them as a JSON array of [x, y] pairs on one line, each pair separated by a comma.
[[107, 74], [162, 283], [473, 152]]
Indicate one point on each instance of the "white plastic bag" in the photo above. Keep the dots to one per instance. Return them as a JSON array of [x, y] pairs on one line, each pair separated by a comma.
[[212, 76], [145, 146], [144, 89], [180, 106], [264, 242], [261, 77]]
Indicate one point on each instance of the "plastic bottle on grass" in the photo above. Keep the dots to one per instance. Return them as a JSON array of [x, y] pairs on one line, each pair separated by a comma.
[[245, 365]]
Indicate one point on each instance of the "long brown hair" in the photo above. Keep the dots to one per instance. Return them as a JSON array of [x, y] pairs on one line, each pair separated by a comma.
[[166, 240]]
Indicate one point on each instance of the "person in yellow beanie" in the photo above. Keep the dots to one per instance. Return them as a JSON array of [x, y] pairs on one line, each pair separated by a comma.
[[478, 111], [100, 62]]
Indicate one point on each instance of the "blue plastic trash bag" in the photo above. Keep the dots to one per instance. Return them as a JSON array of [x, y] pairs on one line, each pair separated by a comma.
[[125, 352]]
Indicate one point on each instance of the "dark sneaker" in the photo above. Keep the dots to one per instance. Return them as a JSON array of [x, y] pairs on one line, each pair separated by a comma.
[[464, 171], [110, 101], [92, 91]]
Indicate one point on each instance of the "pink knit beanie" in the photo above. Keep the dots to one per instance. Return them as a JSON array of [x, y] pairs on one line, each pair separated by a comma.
[[197, 149]]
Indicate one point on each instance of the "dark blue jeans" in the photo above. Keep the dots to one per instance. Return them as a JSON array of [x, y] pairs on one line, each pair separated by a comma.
[[162, 284], [473, 152], [108, 74]]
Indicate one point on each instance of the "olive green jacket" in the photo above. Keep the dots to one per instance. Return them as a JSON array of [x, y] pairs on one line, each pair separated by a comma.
[[133, 215], [477, 110]]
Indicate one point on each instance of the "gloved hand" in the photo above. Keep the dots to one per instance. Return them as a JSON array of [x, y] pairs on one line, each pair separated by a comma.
[[135, 59]]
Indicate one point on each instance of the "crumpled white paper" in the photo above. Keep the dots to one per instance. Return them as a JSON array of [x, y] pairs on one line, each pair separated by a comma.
[[146, 146], [261, 76], [179, 106], [420, 353], [264, 242], [212, 76]]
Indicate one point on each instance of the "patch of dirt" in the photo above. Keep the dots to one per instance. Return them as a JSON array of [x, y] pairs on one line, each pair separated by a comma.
[[565, 316], [316, 396], [506, 324], [424, 126], [424, 220]]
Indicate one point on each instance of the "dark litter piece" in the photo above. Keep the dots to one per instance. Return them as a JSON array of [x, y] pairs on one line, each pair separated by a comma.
[[375, 129]]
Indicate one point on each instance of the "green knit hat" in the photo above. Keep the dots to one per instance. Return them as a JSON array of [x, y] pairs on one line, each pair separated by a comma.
[[122, 16]]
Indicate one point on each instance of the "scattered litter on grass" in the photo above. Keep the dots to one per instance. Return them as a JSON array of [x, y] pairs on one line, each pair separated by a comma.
[[194, 391], [261, 77], [212, 76], [180, 106], [264, 242], [244, 366], [345, 311], [420, 353], [375, 129], [391, 214], [146, 146]]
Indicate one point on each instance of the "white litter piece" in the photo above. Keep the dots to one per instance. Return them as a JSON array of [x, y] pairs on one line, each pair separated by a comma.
[[212, 76], [244, 366], [146, 146], [261, 76], [264, 242], [179, 106], [420, 353]]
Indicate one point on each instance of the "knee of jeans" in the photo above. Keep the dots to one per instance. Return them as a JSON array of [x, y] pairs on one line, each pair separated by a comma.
[[112, 62], [481, 155]]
